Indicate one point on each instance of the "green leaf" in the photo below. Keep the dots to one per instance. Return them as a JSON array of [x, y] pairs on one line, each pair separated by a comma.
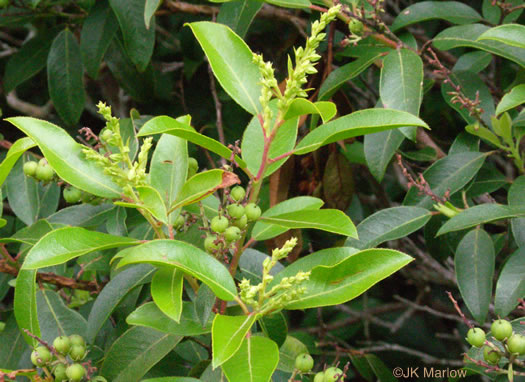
[[64, 77], [379, 149], [452, 11], [30, 59], [138, 39], [358, 123], [290, 3], [202, 185], [22, 194], [186, 258], [255, 361], [483, 133], [149, 315], [252, 145], [389, 224], [15, 152], [472, 62], [228, 333], [98, 31], [238, 15], [481, 214], [152, 201], [467, 35], [66, 157], [63, 244], [474, 264], [112, 294], [166, 290], [274, 327], [511, 284], [509, 34], [169, 168], [231, 61], [291, 205], [13, 344], [515, 198], [251, 265], [447, 174], [341, 75], [512, 99], [492, 11], [178, 128], [401, 84], [135, 352], [149, 11], [337, 283], [301, 106], [25, 304], [82, 215], [329, 220]]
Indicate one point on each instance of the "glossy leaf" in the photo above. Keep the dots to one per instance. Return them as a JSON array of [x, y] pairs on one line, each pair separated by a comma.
[[474, 264], [22, 194], [13, 344], [509, 34], [149, 11], [251, 265], [511, 284], [358, 123], [152, 201], [186, 258], [67, 243], [301, 106], [290, 3], [149, 315], [481, 214], [274, 327], [228, 333], [379, 149], [231, 61], [516, 198], [472, 62], [66, 157], [238, 15], [82, 215], [138, 39], [64, 77], [447, 174], [452, 11], [25, 304], [135, 352], [166, 290], [255, 361], [339, 282], [512, 99]]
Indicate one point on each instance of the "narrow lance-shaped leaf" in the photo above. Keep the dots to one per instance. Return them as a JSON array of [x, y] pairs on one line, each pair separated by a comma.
[[25, 304], [511, 284], [186, 258], [228, 333], [66, 157], [512, 99], [15, 152], [510, 34], [166, 290], [149, 11]]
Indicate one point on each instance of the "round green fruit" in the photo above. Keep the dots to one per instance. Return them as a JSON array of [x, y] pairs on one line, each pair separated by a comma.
[[356, 27], [75, 372], [501, 329], [60, 373], [319, 377], [232, 234], [77, 352], [236, 211], [72, 195], [62, 344], [242, 222], [179, 222], [490, 355], [219, 224], [44, 173], [332, 374], [304, 362], [30, 167], [77, 339], [41, 356], [238, 193], [193, 166], [253, 211], [209, 243], [476, 337], [516, 344]]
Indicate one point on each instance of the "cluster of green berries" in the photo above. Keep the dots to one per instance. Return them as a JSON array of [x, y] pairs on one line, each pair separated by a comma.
[[73, 346], [513, 343], [228, 228], [40, 170], [304, 363]]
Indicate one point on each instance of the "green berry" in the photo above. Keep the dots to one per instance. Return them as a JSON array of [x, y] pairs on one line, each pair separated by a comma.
[[72, 195], [44, 173], [60, 372], [356, 27], [501, 329], [232, 234], [332, 374], [319, 377], [304, 362], [193, 166], [209, 243], [4, 3], [241, 222], [238, 193], [77, 352], [75, 372], [476, 337], [236, 211], [62, 344], [179, 222], [106, 135], [30, 168], [41, 356], [253, 212], [219, 224], [490, 355], [77, 339], [516, 344]]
